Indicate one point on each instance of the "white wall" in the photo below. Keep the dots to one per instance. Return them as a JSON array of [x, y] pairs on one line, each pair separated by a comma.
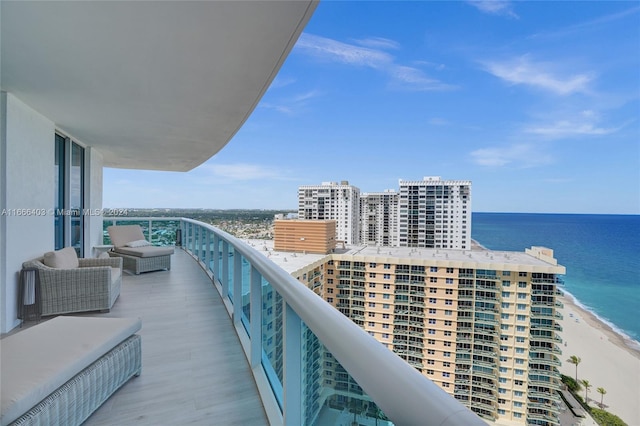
[[27, 183], [27, 158], [93, 201]]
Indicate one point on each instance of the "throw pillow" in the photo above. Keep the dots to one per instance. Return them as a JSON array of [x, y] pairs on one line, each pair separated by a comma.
[[138, 243], [65, 258]]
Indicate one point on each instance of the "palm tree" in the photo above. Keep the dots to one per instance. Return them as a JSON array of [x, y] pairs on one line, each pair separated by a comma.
[[574, 360], [586, 385], [601, 391]]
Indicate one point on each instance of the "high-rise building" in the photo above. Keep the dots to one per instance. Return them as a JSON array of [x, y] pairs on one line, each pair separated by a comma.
[[483, 325], [336, 201], [379, 218], [435, 213]]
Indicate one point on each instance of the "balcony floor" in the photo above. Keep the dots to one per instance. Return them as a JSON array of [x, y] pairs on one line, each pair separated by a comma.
[[193, 368]]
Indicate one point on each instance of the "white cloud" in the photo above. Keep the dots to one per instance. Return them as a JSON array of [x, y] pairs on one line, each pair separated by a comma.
[[402, 76], [329, 49], [522, 70], [584, 123], [378, 43], [292, 104], [241, 171], [437, 121], [494, 7], [519, 155]]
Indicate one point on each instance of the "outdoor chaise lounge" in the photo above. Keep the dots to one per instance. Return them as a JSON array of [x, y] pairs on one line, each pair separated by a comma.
[[60, 371], [69, 284], [136, 252]]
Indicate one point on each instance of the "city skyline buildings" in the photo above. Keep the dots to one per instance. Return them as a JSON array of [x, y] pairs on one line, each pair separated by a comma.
[[536, 102]]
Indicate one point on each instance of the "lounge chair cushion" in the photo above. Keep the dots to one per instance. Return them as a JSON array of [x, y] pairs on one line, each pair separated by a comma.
[[122, 234], [65, 258], [148, 251]]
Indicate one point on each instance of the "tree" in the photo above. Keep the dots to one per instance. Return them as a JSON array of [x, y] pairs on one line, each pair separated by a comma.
[[601, 391], [586, 385], [575, 360]]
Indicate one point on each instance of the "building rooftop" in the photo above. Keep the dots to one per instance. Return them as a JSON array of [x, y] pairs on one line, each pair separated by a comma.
[[478, 257]]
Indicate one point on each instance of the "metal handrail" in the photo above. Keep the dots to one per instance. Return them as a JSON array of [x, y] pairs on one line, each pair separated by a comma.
[[404, 395]]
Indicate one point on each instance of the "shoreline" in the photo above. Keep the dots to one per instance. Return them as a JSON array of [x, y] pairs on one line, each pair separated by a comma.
[[609, 359], [615, 335]]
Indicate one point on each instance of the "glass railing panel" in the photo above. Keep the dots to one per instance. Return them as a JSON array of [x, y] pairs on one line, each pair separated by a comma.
[[245, 278], [272, 338], [330, 395], [229, 256]]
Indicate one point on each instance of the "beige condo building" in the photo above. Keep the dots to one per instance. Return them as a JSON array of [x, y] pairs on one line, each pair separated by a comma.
[[481, 324]]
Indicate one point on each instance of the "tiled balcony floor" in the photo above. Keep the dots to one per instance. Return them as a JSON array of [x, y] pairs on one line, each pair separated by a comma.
[[193, 368]]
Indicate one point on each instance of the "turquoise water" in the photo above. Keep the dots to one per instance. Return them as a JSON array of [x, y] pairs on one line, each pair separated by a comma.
[[601, 254]]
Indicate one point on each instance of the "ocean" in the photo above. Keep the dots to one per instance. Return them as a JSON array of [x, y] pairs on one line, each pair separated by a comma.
[[601, 254]]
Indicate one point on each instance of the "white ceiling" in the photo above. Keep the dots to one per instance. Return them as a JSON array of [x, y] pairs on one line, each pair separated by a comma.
[[152, 85]]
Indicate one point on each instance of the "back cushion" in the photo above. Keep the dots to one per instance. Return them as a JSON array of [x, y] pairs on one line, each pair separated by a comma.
[[123, 234], [65, 258]]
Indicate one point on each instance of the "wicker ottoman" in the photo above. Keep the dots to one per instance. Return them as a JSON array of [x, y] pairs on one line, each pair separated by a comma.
[[60, 371]]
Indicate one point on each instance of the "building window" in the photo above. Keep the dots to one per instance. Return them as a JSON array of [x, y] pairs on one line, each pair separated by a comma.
[[449, 280], [372, 304], [387, 266], [386, 286], [387, 276], [372, 295], [386, 296]]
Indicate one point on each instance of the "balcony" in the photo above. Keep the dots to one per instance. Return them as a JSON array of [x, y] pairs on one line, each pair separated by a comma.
[[265, 301]]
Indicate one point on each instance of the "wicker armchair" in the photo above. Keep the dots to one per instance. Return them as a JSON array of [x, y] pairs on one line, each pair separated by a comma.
[[93, 286]]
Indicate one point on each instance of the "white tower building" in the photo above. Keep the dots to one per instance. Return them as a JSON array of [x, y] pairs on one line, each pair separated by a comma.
[[379, 218], [332, 200], [435, 213]]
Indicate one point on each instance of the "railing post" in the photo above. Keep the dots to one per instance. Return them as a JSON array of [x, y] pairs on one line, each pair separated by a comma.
[[292, 378], [216, 265], [224, 276], [237, 287], [255, 329], [207, 253]]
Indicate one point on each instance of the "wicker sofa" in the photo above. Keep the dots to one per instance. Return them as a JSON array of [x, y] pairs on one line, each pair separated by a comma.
[[138, 254], [60, 371], [92, 285]]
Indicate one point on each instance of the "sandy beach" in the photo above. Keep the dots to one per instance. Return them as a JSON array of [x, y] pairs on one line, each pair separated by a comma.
[[608, 360]]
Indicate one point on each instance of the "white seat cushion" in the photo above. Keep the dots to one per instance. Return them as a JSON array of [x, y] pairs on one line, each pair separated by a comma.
[[40, 359]]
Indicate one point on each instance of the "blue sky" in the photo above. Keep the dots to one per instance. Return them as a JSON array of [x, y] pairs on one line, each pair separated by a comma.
[[537, 103]]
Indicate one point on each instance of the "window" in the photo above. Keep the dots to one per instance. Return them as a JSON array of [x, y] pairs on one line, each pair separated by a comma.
[[448, 312], [385, 316], [385, 325], [447, 323], [372, 304], [371, 314], [448, 302], [447, 333], [387, 276], [372, 274], [449, 270], [372, 295], [385, 335], [519, 339], [448, 291], [372, 285], [506, 273], [386, 286], [433, 290], [330, 299], [446, 354], [330, 290], [385, 306], [522, 307], [506, 283], [372, 265], [522, 296], [432, 320], [520, 328], [446, 343], [431, 351], [449, 280], [69, 187], [432, 331], [521, 317], [387, 266], [433, 279], [432, 300], [446, 364], [386, 296], [522, 274], [372, 324], [433, 269], [445, 374], [432, 310]]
